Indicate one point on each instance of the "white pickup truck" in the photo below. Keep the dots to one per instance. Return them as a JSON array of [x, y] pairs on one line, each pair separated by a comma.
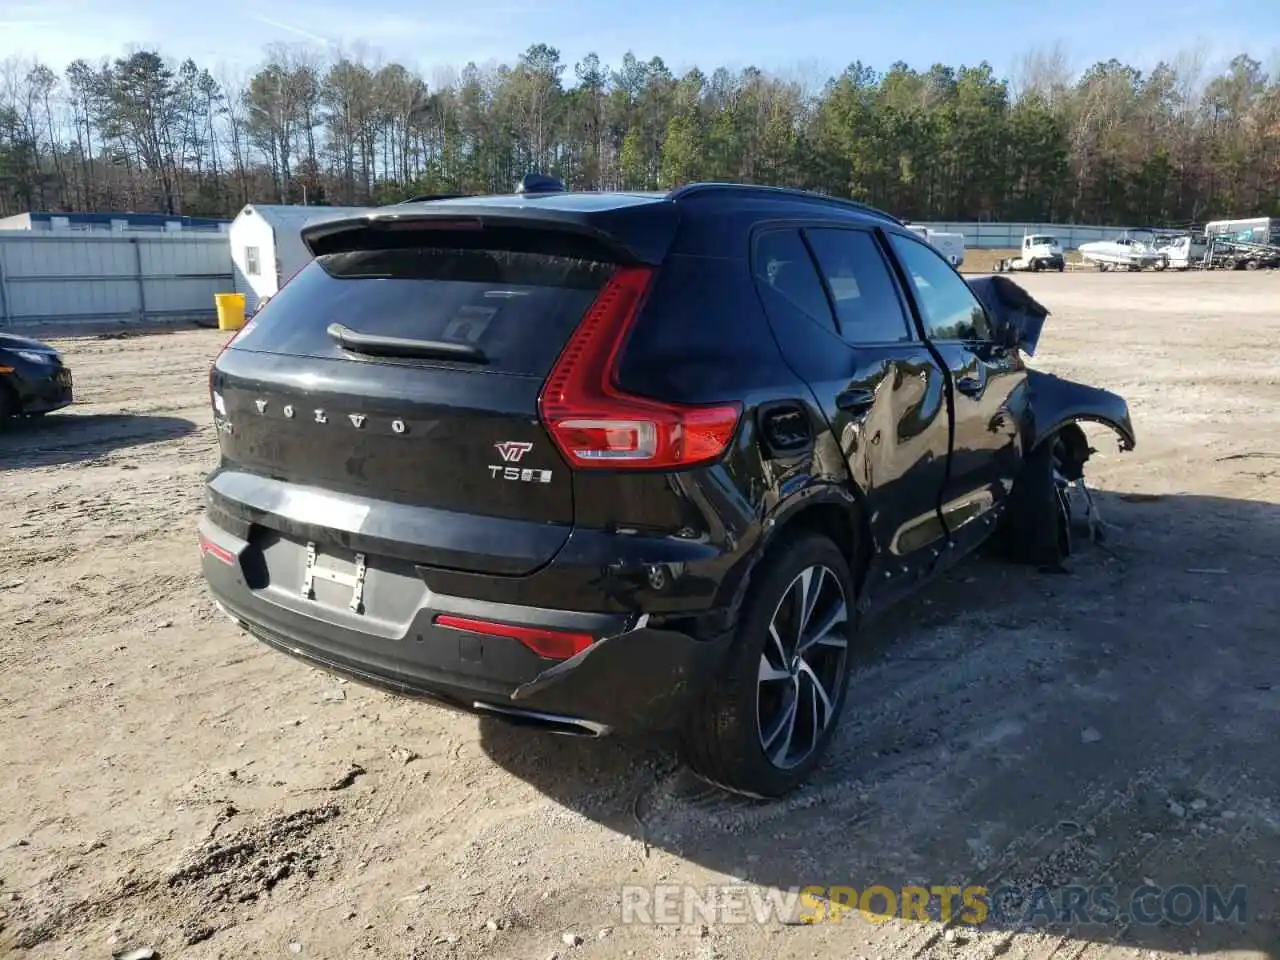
[[1039, 252]]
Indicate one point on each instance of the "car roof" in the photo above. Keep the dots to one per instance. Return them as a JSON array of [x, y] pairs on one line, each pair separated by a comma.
[[601, 201], [580, 202], [709, 217]]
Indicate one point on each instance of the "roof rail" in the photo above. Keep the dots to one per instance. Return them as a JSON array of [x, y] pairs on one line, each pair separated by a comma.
[[426, 197], [699, 189]]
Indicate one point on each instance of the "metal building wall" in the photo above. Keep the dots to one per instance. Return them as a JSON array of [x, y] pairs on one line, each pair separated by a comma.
[[51, 278], [1008, 236]]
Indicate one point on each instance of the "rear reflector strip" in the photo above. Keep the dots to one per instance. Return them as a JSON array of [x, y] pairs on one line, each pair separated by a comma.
[[210, 549], [550, 644]]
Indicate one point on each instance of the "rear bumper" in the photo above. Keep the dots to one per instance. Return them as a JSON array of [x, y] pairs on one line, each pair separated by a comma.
[[633, 678]]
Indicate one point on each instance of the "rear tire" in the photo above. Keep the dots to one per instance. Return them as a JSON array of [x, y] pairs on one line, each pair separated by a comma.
[[9, 406], [768, 720], [1037, 526]]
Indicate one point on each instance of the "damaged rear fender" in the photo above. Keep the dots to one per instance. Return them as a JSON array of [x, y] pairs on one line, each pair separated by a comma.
[[1054, 402]]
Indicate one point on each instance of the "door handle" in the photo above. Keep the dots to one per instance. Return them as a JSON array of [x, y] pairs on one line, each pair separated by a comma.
[[970, 386], [855, 399]]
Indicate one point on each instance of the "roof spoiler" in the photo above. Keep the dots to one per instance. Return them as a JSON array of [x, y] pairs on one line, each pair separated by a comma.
[[477, 224]]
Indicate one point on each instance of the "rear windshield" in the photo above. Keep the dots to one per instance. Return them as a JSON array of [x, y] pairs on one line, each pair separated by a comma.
[[519, 308], [1047, 240]]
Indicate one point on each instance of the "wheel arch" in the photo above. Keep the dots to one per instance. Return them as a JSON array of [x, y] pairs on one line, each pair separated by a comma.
[[1057, 404], [829, 510]]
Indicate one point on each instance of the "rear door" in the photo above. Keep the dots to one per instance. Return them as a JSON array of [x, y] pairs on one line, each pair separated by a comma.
[[988, 387], [843, 326], [409, 377]]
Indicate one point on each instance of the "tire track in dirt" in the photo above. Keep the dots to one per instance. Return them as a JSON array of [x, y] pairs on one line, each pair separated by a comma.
[[207, 892]]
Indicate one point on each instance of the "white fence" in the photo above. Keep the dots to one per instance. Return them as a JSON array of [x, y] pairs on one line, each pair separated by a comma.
[[1008, 236], [85, 278]]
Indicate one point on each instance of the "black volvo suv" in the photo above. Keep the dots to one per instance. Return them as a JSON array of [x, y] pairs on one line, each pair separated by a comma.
[[622, 461]]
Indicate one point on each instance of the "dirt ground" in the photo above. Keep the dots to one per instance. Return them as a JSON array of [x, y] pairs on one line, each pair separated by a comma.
[[170, 783]]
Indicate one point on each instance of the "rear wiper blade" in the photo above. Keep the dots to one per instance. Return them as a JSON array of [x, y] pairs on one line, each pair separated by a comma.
[[379, 346]]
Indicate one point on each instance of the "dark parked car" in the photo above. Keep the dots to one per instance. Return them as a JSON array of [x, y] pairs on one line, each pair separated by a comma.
[[624, 461], [33, 378]]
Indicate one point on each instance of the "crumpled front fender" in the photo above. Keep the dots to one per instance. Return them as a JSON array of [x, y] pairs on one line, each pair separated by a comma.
[[1055, 402]]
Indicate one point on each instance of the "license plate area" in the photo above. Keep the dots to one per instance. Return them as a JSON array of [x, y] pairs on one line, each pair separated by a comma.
[[320, 578], [314, 568]]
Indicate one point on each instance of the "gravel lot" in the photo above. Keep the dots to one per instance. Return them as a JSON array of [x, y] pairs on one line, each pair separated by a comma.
[[171, 783]]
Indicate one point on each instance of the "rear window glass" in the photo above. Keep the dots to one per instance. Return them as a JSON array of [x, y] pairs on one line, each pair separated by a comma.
[[519, 308]]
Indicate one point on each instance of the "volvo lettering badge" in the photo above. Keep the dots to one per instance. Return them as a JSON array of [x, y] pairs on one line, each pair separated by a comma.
[[358, 420]]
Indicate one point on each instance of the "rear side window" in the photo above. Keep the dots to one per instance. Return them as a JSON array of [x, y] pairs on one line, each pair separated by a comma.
[[519, 308], [787, 279], [866, 300], [948, 306]]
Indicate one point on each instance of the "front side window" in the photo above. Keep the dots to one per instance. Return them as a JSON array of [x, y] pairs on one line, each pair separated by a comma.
[[948, 307]]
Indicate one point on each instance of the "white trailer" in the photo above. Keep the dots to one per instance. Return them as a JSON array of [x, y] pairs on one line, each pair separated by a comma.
[[1250, 230], [1039, 252], [950, 245], [267, 247]]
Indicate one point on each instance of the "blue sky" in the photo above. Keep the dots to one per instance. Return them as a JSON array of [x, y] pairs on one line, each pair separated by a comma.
[[813, 39]]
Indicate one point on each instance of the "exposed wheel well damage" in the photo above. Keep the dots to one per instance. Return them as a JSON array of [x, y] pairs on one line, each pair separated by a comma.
[[1058, 406], [1075, 450]]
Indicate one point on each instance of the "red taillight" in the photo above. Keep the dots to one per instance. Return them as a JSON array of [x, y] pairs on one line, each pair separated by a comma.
[[597, 425], [211, 549], [551, 644]]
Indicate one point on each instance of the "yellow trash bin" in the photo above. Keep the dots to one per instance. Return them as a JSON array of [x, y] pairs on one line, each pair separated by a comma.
[[230, 310]]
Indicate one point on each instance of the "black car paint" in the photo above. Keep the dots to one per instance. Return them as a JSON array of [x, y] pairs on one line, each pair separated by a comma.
[[33, 387], [875, 446]]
